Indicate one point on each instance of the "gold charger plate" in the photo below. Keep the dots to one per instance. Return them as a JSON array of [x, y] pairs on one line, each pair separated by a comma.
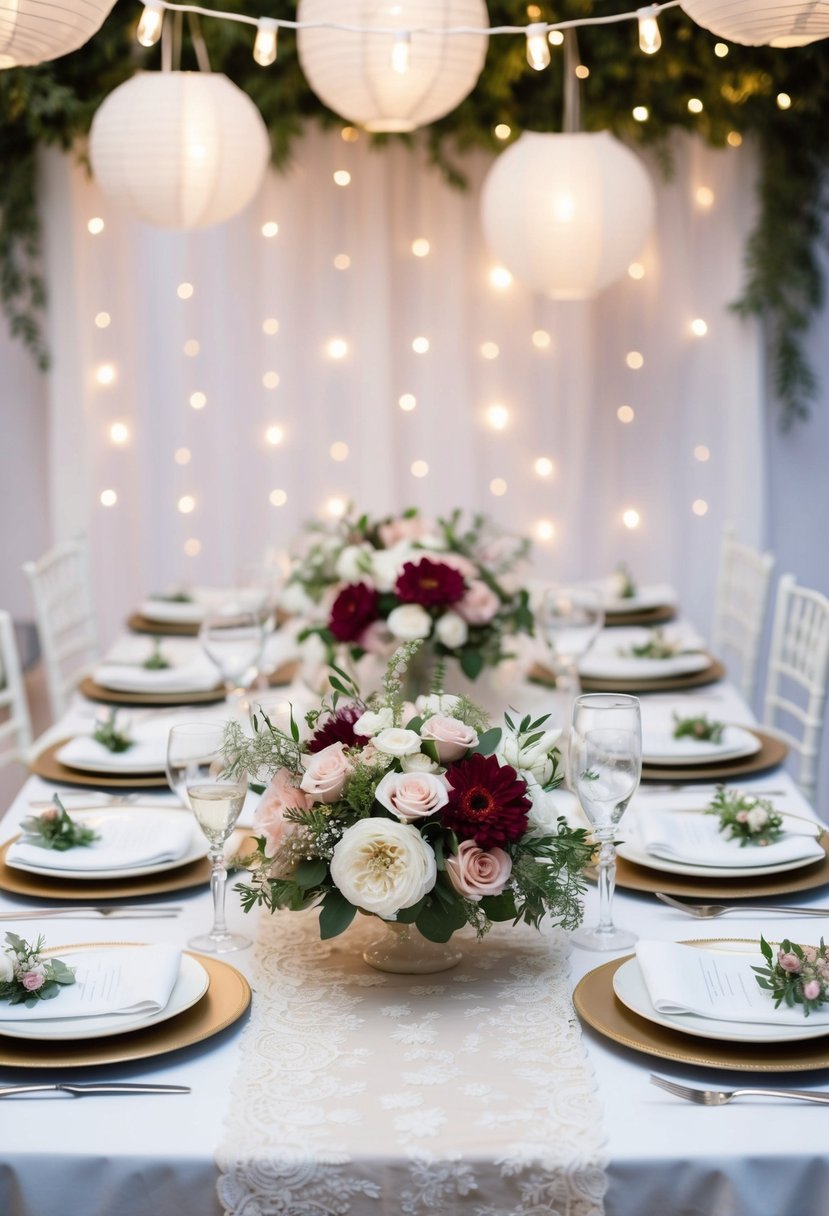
[[226, 999], [111, 696], [39, 886], [46, 765], [597, 1004], [659, 615], [633, 877], [772, 753], [285, 674], [689, 679], [174, 629]]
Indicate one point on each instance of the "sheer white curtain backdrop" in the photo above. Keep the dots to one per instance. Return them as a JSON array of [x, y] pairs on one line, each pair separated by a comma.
[[170, 337]]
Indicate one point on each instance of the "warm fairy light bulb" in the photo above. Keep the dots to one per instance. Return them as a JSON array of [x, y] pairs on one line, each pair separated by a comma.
[[149, 27], [544, 467], [119, 432], [545, 530], [108, 498], [498, 487], [336, 507], [631, 518], [400, 52], [699, 506], [538, 48], [498, 417], [650, 39], [264, 48]]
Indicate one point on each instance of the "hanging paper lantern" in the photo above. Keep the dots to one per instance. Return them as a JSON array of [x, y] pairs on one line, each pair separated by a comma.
[[179, 149], [762, 22], [567, 213], [32, 31], [385, 82]]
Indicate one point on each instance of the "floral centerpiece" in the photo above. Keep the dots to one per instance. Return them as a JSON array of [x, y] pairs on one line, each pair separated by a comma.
[[418, 814], [369, 585]]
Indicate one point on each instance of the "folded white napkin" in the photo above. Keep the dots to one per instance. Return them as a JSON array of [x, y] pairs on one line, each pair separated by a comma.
[[695, 838], [718, 984], [126, 839], [202, 601], [133, 980], [652, 595], [198, 675], [603, 666], [172, 612]]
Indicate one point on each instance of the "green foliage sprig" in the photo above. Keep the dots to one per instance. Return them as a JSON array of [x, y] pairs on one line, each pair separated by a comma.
[[746, 818], [109, 736], [53, 104], [55, 829], [657, 646], [796, 975], [702, 728], [27, 977], [156, 660]]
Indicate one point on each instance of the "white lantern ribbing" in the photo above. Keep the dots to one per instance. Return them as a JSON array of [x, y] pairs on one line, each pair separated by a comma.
[[34, 31], [762, 22], [567, 213], [179, 149], [387, 83]]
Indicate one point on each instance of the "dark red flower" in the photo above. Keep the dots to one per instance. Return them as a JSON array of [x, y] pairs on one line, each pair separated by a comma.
[[429, 583], [488, 802], [355, 607], [338, 728]]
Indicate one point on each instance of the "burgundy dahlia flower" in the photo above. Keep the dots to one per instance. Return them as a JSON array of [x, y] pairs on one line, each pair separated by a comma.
[[353, 610], [338, 728], [430, 583], [488, 802]]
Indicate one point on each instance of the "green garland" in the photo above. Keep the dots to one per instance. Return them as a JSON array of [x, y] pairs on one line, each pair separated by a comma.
[[54, 104]]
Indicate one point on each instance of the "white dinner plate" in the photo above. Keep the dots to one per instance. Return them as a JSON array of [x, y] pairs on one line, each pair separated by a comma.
[[190, 987], [600, 665], [660, 747], [196, 852], [646, 597], [633, 850], [118, 763], [629, 987]]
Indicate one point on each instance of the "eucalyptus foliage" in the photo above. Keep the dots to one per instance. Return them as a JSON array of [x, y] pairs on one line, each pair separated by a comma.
[[54, 104]]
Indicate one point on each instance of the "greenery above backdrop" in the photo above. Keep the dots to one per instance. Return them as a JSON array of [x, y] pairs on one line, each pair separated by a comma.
[[55, 102]]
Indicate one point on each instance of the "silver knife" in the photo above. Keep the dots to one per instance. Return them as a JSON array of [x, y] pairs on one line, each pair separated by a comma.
[[124, 912], [78, 1091]]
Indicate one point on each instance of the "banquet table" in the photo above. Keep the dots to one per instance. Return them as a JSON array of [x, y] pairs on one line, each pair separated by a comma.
[[157, 1154]]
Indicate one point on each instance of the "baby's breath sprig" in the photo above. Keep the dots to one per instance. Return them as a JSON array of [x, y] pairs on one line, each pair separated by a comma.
[[797, 975], [702, 728], [746, 818], [397, 667], [55, 829]]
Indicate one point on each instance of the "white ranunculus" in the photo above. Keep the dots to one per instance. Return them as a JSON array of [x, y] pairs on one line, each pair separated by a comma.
[[757, 818], [452, 630], [355, 563], [419, 763], [437, 703], [386, 564], [382, 866], [397, 741], [409, 622], [371, 723], [534, 759], [6, 967]]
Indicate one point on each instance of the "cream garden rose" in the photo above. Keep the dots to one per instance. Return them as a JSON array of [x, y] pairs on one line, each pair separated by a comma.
[[382, 866], [410, 622], [397, 741], [451, 737], [452, 630], [412, 796], [326, 772], [475, 872], [372, 723], [419, 763]]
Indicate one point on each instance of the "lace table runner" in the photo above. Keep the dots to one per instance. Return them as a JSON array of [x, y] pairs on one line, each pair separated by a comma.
[[466, 1093]]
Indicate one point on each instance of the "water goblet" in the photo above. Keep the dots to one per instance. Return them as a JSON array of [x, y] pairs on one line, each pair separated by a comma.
[[570, 619], [199, 773], [604, 766], [234, 639]]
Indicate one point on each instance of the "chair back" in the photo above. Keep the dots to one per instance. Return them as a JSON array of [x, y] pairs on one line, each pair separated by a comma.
[[15, 723], [795, 700], [65, 616], [742, 603]]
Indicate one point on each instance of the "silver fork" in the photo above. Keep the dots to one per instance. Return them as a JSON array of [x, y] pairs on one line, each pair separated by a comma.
[[719, 1097], [708, 911]]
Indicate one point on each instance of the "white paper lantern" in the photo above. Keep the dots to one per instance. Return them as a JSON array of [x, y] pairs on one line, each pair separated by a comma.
[[762, 22], [567, 213], [33, 31], [388, 84], [179, 149]]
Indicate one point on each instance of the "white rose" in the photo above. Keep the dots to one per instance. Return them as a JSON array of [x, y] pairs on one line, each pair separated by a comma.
[[534, 759], [6, 967], [397, 741], [371, 724], [410, 622], [452, 630], [418, 763], [354, 563], [411, 796], [757, 819], [382, 866], [386, 565], [295, 600], [437, 703]]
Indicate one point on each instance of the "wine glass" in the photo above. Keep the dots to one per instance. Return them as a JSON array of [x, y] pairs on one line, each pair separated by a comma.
[[570, 619], [234, 638], [197, 770], [605, 765]]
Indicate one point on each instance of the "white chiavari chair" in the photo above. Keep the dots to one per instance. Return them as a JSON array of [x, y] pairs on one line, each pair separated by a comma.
[[741, 609], [798, 669], [15, 723], [65, 616]]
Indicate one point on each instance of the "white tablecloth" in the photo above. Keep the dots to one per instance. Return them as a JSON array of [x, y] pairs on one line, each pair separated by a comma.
[[136, 1156]]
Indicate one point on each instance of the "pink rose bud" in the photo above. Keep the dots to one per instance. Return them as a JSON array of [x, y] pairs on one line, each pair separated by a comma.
[[789, 962], [325, 774], [475, 872], [451, 737], [479, 604], [742, 816], [269, 817], [811, 990], [33, 980], [50, 814]]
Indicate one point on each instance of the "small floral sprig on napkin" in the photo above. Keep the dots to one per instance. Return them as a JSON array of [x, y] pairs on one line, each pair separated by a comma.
[[55, 829], [656, 647], [702, 728], [746, 818], [797, 975], [623, 586], [156, 660], [109, 736], [26, 977], [174, 597]]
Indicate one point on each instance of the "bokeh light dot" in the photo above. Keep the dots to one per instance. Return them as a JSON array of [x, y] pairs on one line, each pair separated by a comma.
[[103, 320], [421, 247], [198, 400], [498, 417], [337, 348], [192, 547], [701, 453], [95, 225], [277, 498], [420, 346], [498, 487], [339, 451], [419, 468], [636, 270], [500, 278], [625, 413], [105, 373], [191, 348], [270, 326], [108, 498], [274, 435], [704, 196], [541, 339], [342, 177], [545, 530], [502, 131], [271, 379], [634, 359], [119, 432], [631, 518], [270, 229], [699, 506], [336, 507], [407, 402], [184, 291], [490, 350], [186, 504], [641, 113], [342, 261], [182, 456], [699, 328], [544, 467]]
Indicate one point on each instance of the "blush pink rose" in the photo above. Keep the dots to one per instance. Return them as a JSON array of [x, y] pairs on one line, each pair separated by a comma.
[[458, 562], [811, 990], [789, 962], [451, 737], [475, 872], [479, 605], [412, 796], [377, 639], [269, 818], [325, 774], [412, 529], [33, 980]]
